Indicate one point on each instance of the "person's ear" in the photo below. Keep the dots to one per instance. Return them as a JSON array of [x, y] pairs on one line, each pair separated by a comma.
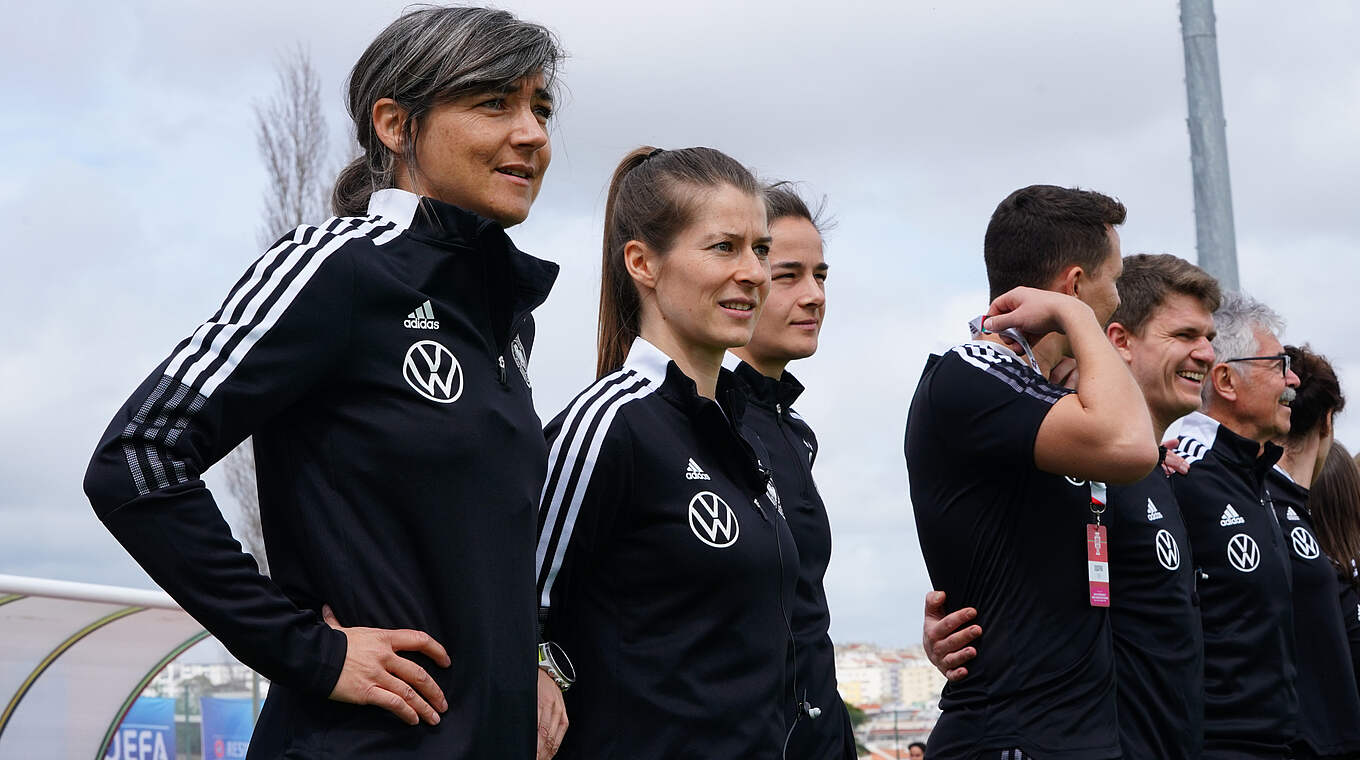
[[1226, 382], [1068, 281], [1119, 338], [389, 122], [642, 264]]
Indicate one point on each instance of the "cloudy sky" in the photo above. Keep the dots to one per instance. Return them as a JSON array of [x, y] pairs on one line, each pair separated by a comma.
[[132, 187]]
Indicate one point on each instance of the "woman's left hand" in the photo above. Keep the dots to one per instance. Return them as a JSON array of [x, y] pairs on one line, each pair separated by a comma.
[[552, 717]]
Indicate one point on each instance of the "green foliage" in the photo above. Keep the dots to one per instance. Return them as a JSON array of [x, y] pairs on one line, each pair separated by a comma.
[[857, 715]]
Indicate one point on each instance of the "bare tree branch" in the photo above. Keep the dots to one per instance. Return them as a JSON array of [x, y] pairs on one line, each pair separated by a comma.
[[290, 131]]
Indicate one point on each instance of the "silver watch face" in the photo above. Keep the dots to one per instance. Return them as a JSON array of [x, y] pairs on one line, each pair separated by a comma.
[[557, 659]]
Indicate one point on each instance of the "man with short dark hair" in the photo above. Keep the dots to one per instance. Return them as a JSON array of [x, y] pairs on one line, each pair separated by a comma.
[[1250, 702], [999, 455], [916, 751]]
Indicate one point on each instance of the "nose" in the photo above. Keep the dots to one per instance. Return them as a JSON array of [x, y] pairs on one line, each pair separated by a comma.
[[813, 295], [1291, 380], [1203, 352], [527, 132], [752, 270]]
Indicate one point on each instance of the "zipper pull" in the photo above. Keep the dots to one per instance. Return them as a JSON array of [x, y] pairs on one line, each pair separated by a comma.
[[500, 362], [779, 408]]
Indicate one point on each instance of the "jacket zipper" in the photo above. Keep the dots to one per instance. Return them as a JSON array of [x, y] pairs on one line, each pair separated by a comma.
[[804, 472]]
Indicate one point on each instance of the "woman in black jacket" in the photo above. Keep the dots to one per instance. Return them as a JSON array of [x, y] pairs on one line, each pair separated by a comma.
[[788, 330], [379, 360], [665, 566]]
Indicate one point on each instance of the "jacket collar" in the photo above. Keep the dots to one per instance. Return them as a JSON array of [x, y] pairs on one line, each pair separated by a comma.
[[764, 391], [449, 226], [652, 363], [1231, 447], [1281, 482], [718, 422], [435, 220]]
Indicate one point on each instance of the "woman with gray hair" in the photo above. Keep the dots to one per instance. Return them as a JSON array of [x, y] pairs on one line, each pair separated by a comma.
[[379, 360]]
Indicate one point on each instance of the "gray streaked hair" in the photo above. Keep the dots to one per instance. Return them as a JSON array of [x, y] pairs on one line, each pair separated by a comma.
[[1237, 319], [428, 56]]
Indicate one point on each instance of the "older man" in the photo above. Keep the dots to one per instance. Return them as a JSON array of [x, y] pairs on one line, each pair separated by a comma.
[[1251, 706]]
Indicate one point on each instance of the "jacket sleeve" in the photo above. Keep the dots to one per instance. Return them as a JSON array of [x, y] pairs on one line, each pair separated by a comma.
[[281, 330], [589, 475]]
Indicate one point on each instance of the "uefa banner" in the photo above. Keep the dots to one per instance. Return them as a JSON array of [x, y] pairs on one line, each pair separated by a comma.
[[227, 725], [147, 732]]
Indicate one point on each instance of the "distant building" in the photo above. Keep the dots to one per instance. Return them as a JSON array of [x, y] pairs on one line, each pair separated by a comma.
[[869, 674], [216, 678]]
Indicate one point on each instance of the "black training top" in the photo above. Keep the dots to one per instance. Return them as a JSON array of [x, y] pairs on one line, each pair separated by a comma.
[[1158, 646], [1003, 536], [792, 448], [398, 462], [666, 570], [1329, 703], [1250, 704]]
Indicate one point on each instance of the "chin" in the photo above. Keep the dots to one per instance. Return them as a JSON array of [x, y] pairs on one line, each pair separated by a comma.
[[800, 350]]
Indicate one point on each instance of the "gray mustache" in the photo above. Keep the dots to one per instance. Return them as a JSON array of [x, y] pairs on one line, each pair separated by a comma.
[[1287, 397]]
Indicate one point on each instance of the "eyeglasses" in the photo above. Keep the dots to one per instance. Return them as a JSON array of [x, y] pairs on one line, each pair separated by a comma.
[[1282, 358]]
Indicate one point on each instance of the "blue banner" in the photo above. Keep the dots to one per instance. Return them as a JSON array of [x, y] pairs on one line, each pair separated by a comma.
[[146, 733], [227, 726]]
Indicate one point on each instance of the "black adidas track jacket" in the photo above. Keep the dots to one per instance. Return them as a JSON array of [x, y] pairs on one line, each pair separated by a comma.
[[1250, 703], [1329, 701], [666, 571], [792, 447], [381, 365]]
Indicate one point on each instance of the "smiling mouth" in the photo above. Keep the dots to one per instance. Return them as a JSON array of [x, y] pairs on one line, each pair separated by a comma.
[[744, 306], [519, 173], [1194, 377]]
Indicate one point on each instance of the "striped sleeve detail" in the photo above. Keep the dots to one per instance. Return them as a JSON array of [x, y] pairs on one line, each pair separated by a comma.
[[1190, 449], [204, 360], [571, 463], [1009, 370]]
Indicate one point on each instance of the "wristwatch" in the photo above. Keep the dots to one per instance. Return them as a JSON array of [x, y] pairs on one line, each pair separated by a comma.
[[555, 662]]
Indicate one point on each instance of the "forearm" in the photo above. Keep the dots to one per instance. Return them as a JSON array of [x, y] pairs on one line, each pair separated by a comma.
[[1107, 391], [179, 537]]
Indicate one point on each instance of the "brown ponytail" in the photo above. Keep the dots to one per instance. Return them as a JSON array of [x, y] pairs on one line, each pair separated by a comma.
[[653, 195]]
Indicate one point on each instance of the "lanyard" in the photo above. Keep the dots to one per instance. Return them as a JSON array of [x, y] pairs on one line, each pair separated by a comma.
[[975, 328]]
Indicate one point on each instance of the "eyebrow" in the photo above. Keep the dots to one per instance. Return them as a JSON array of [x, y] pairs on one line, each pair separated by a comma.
[[739, 236], [796, 264]]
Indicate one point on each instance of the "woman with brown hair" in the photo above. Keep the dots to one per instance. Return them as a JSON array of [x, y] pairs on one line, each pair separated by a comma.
[[665, 566], [1335, 506], [1329, 707]]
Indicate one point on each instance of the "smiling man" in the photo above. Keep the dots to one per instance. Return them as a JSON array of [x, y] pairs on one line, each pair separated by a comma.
[[1240, 554], [1162, 328]]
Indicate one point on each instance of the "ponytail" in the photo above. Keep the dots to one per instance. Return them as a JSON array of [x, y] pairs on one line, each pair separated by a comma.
[[653, 196], [352, 189], [619, 303]]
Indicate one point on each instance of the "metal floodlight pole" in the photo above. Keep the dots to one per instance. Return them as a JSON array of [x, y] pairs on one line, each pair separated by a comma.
[[1215, 239]]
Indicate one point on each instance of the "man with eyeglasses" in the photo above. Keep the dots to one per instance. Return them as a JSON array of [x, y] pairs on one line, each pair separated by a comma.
[[1240, 553]]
